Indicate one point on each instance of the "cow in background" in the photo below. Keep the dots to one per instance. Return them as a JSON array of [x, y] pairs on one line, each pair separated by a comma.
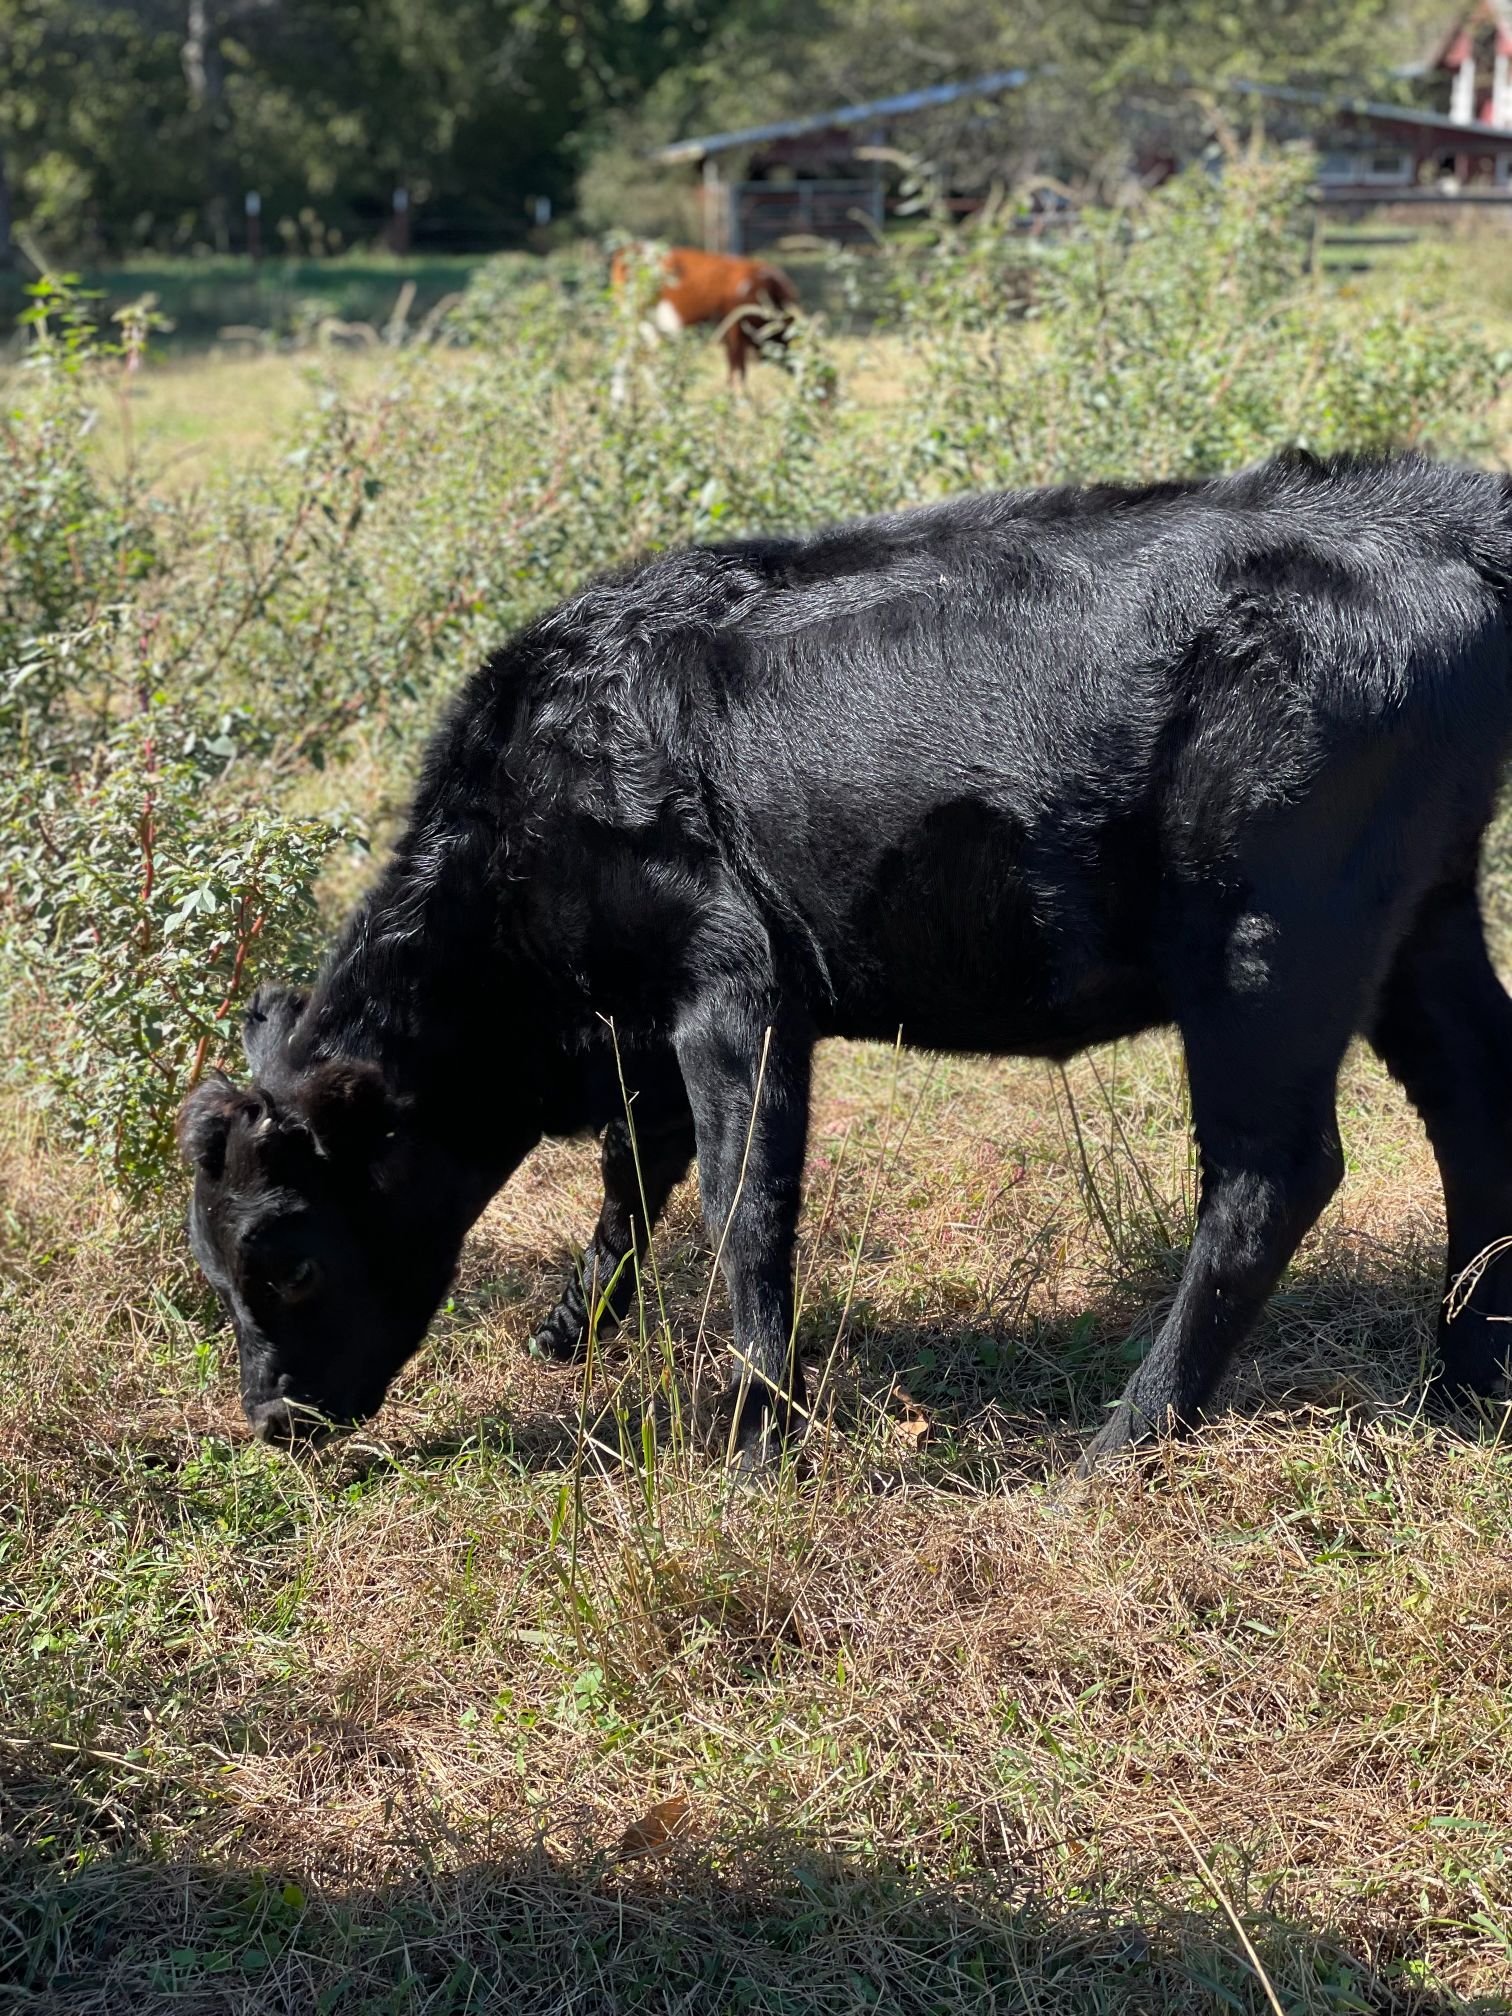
[[750, 302]]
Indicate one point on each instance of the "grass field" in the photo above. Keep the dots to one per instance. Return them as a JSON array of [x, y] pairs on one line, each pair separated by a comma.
[[200, 297], [468, 1713], [512, 1702], [189, 419], [186, 421]]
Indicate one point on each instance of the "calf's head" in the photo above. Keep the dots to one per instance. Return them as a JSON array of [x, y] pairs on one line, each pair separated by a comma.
[[326, 1225]]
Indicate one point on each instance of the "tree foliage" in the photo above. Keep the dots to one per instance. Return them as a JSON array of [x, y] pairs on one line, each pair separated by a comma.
[[146, 123], [128, 123]]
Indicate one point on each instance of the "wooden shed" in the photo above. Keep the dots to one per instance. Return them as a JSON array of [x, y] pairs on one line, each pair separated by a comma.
[[817, 175]]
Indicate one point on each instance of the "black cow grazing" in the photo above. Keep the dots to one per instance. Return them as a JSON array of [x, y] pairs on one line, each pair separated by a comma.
[[1013, 774]]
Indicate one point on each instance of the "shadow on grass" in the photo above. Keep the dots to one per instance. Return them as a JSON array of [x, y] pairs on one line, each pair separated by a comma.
[[1012, 1402], [200, 296], [1351, 1328], [94, 1923]]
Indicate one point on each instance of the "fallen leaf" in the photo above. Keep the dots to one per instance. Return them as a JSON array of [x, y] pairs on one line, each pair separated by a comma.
[[912, 1430], [655, 1829]]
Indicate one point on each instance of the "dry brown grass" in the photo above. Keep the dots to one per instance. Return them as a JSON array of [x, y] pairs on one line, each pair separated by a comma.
[[191, 421], [368, 1731]]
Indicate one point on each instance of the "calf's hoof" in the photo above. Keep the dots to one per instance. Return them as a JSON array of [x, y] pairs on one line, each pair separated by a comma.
[[563, 1338], [1474, 1353], [1452, 1396], [763, 1432], [1131, 1425]]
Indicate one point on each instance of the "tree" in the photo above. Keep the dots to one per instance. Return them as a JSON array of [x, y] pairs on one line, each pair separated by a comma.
[[143, 122], [1103, 71]]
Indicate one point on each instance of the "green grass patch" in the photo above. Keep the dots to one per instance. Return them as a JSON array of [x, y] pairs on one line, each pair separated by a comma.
[[285, 297]]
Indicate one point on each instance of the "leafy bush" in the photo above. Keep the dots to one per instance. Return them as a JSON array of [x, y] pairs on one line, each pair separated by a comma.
[[141, 869], [139, 907], [69, 543], [1176, 340], [184, 687]]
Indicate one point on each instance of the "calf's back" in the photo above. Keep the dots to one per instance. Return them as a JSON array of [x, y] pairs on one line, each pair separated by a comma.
[[991, 771]]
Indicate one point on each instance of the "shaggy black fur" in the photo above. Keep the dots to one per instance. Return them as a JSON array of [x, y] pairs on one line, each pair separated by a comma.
[[1016, 773]]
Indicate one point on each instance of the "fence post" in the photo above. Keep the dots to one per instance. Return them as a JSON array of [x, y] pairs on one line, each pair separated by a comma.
[[715, 206]]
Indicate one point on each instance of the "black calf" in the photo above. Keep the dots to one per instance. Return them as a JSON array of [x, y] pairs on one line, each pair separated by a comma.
[[1014, 774]]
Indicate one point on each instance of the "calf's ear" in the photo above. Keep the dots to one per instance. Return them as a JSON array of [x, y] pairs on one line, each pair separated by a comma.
[[265, 1034], [348, 1109], [204, 1123]]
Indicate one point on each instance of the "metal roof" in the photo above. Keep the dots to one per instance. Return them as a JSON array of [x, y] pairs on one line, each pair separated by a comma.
[[844, 115], [1373, 108]]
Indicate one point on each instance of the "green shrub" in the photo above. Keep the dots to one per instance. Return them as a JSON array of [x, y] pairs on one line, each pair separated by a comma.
[[139, 906], [1179, 339], [142, 868], [70, 542]]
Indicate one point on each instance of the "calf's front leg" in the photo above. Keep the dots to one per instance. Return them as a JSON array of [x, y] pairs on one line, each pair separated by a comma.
[[746, 1069], [642, 1165]]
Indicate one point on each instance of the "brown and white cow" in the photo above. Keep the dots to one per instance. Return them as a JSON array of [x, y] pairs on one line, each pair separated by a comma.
[[750, 302]]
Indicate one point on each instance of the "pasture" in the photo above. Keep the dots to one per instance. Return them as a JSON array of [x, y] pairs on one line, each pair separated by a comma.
[[511, 1700], [203, 296]]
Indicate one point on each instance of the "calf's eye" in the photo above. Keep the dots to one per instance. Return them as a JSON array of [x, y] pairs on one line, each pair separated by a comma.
[[300, 1282]]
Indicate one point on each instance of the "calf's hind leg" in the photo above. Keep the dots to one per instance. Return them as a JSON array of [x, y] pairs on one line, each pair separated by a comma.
[[1444, 1029], [1262, 1073], [747, 1074], [641, 1170]]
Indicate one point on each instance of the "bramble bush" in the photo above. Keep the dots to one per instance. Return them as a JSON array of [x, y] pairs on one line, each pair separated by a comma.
[[190, 688], [140, 903], [1184, 337]]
